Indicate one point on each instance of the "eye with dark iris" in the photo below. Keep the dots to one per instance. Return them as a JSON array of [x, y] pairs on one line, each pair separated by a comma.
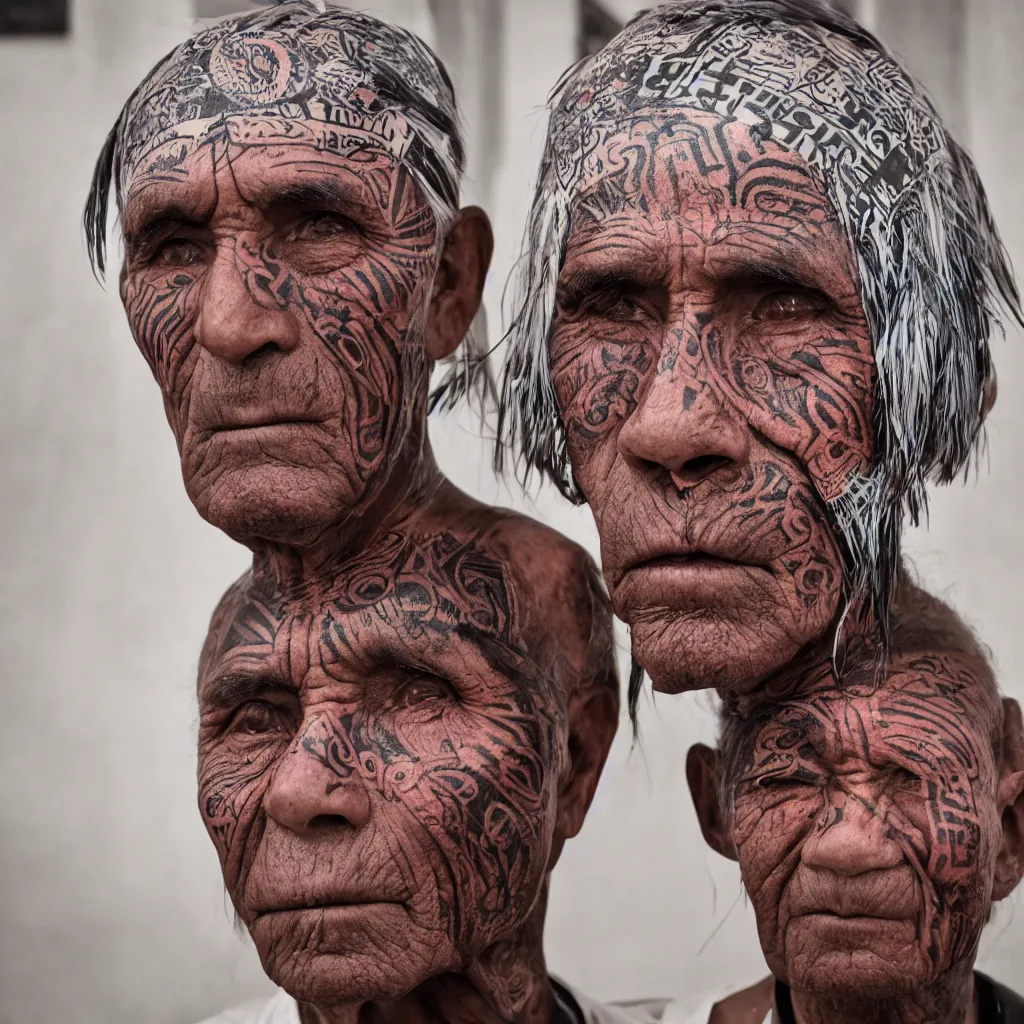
[[323, 226], [178, 252], [422, 690], [781, 306], [258, 718], [904, 780]]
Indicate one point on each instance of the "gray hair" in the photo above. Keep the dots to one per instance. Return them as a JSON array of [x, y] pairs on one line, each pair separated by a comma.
[[338, 51], [933, 272]]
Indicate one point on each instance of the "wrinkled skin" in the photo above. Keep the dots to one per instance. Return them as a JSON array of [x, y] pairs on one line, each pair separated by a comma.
[[281, 295], [406, 705], [714, 374], [874, 830], [388, 769]]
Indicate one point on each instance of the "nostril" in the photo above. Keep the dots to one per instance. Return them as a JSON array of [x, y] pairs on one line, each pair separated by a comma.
[[323, 821], [693, 471], [264, 350]]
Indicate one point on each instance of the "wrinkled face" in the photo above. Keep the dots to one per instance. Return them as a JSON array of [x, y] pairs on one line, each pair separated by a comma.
[[278, 292], [380, 776], [867, 829], [713, 369]]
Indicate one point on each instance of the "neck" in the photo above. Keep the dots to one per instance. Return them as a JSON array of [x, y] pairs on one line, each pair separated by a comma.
[[506, 984], [858, 639], [299, 568], [948, 1001]]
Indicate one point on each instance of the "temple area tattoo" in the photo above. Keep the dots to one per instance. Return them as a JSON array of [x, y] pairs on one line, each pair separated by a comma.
[[407, 703], [751, 321]]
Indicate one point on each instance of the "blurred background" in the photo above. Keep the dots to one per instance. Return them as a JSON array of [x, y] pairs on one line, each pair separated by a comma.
[[111, 904]]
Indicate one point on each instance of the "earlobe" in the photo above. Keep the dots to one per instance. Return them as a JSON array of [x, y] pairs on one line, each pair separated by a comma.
[[459, 281], [593, 719], [1010, 859], [702, 777]]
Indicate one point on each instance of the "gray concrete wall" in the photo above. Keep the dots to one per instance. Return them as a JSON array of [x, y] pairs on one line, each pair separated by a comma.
[[111, 906]]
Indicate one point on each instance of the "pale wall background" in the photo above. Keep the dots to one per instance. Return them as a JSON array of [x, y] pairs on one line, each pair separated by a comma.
[[111, 906]]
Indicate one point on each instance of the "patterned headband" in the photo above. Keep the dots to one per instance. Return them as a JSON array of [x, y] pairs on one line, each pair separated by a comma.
[[933, 272], [300, 72]]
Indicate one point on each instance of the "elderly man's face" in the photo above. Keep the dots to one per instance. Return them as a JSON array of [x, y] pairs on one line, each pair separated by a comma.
[[868, 829], [714, 372], [388, 778], [279, 293]]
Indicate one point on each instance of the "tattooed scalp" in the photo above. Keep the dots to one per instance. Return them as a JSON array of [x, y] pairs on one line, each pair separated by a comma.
[[388, 766], [931, 271]]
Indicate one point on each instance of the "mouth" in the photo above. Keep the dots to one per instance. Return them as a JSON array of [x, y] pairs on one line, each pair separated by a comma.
[[675, 568], [283, 421], [289, 907], [686, 560]]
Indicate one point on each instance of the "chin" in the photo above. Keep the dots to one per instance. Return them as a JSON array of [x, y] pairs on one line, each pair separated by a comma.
[[344, 956], [869, 978], [292, 505], [876, 960], [706, 649]]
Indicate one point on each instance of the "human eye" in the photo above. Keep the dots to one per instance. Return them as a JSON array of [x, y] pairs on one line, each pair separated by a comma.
[[321, 226], [260, 718], [426, 690], [606, 296], [176, 253], [788, 305]]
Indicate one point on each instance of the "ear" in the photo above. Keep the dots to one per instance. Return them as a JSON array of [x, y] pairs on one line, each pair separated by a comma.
[[1010, 859], [702, 776], [459, 281], [593, 719]]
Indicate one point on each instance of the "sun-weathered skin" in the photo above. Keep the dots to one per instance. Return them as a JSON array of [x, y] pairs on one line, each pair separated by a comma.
[[406, 704]]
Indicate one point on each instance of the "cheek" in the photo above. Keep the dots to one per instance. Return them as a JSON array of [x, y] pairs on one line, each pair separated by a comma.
[[597, 384], [768, 832], [810, 396], [233, 778], [162, 312], [482, 790]]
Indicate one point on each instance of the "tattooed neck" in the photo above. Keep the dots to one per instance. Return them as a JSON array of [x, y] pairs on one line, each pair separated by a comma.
[[825, 657], [948, 1001], [302, 569]]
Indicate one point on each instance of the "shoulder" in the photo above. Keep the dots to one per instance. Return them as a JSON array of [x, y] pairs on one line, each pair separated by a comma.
[[528, 543], [748, 1006], [279, 1009], [996, 1003]]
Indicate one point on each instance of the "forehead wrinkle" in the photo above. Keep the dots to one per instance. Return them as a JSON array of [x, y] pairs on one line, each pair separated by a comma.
[[162, 201]]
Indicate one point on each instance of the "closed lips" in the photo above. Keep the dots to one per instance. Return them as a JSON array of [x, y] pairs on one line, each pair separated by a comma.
[[889, 894]]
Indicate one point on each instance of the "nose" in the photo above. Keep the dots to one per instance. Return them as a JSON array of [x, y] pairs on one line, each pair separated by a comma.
[[316, 784], [240, 314], [851, 839], [681, 426]]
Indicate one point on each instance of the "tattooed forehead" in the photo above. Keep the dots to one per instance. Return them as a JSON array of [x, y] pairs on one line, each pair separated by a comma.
[[841, 109], [407, 598], [933, 714], [340, 81]]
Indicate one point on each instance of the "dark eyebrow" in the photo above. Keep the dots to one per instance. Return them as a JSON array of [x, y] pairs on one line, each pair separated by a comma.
[[628, 266], [228, 691], [324, 193], [790, 270], [157, 220]]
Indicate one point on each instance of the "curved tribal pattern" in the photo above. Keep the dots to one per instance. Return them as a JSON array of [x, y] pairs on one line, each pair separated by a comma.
[[911, 768], [372, 364], [300, 73], [933, 272], [410, 682]]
